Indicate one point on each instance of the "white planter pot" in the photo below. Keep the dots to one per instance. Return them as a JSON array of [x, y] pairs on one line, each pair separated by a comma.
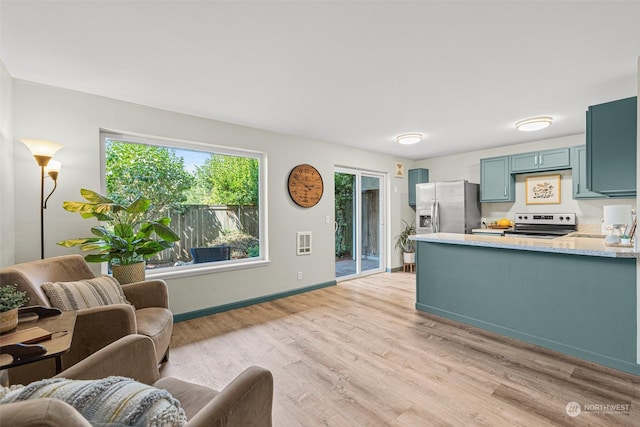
[[409, 257]]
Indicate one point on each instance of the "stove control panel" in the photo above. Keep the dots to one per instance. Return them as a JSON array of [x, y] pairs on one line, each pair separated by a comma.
[[545, 219]]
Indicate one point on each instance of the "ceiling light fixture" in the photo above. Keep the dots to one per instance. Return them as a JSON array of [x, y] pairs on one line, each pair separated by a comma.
[[409, 138], [534, 123]]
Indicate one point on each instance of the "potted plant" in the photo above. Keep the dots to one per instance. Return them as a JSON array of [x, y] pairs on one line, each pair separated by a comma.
[[128, 238], [408, 247], [10, 300]]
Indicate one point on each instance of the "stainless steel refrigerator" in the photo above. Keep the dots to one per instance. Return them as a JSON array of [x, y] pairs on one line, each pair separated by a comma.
[[447, 207]]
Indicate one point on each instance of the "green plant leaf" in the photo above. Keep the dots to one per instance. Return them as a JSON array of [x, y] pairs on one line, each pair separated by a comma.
[[94, 197], [97, 258], [73, 242], [165, 232], [140, 205]]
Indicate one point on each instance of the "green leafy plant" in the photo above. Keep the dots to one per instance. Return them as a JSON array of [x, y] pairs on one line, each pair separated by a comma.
[[11, 297], [402, 240], [129, 236]]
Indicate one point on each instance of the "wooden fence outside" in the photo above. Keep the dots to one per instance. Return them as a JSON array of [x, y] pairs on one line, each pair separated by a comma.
[[200, 225]]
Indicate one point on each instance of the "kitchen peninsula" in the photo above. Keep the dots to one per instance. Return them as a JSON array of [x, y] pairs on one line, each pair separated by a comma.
[[570, 294]]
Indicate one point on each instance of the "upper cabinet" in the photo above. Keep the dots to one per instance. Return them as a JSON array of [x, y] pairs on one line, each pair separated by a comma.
[[611, 147], [496, 182], [541, 161], [579, 174], [416, 176]]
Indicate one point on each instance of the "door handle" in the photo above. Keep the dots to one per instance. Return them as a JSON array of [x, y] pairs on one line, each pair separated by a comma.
[[505, 191], [535, 160]]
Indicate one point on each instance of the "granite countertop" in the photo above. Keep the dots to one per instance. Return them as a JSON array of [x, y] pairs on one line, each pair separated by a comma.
[[565, 244]]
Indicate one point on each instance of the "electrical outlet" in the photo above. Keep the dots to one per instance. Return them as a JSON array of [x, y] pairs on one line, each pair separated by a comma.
[[299, 275]]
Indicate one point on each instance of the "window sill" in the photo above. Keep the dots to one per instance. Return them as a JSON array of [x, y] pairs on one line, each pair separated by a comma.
[[205, 268]]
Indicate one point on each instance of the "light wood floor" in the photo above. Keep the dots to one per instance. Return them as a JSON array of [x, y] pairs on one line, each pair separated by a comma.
[[359, 354]]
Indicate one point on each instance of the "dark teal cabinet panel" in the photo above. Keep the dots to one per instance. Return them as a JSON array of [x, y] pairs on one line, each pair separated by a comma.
[[416, 176], [496, 182], [539, 161], [611, 147], [580, 305], [579, 174]]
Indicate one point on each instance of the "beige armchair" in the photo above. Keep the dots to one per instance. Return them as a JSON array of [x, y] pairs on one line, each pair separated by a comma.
[[245, 402], [95, 327]]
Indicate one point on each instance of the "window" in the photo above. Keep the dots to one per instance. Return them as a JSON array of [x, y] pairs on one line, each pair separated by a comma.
[[213, 196]]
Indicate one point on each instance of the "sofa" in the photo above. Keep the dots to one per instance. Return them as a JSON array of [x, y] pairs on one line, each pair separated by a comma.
[[147, 314], [245, 402]]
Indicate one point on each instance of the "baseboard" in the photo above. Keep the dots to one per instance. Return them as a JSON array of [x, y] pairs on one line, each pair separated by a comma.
[[581, 353], [245, 303], [394, 269]]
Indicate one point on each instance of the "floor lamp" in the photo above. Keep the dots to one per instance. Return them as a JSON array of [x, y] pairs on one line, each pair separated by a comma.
[[43, 151]]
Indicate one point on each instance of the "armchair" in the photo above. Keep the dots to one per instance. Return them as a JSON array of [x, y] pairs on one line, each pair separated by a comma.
[[247, 401], [95, 327]]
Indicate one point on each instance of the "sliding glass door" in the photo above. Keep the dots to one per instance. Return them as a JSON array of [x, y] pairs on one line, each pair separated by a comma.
[[359, 222]]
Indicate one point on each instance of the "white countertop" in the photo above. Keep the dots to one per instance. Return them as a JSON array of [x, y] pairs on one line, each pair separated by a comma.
[[565, 244]]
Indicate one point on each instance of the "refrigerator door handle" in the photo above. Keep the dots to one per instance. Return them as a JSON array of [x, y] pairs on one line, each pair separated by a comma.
[[433, 216], [436, 221]]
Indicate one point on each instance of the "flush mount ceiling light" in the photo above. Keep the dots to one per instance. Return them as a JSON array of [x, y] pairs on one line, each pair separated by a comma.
[[409, 138], [534, 123]]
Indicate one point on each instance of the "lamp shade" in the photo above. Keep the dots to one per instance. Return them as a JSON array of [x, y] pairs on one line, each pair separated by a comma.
[[41, 147], [53, 166], [617, 215]]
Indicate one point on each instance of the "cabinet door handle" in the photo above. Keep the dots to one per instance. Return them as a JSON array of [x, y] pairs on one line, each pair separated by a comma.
[[505, 191], [540, 160], [535, 160]]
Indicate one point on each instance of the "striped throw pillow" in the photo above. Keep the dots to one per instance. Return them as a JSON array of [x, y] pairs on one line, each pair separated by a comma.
[[111, 401], [88, 293]]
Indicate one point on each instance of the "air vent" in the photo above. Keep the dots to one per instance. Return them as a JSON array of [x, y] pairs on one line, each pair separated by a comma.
[[304, 242]]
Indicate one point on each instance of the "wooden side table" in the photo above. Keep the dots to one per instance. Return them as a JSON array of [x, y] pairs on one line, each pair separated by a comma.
[[61, 327]]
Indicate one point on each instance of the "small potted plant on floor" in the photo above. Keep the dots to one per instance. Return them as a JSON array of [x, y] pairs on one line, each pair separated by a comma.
[[10, 300], [128, 238], [408, 247]]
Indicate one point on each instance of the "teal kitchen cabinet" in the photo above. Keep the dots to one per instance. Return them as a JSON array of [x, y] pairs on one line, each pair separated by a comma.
[[416, 176], [611, 147], [579, 174], [496, 182], [539, 161]]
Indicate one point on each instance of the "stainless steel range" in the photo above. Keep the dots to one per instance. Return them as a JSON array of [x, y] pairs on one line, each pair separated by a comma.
[[544, 226]]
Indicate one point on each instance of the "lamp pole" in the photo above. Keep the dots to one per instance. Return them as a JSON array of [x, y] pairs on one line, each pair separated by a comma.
[[42, 152], [42, 211]]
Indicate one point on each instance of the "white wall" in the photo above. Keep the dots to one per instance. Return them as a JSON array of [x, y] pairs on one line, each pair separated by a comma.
[[467, 166], [7, 206], [637, 244], [74, 119]]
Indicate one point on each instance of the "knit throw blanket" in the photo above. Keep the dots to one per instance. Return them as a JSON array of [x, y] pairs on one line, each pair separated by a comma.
[[108, 401]]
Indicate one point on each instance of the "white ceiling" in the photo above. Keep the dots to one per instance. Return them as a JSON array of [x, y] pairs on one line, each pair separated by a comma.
[[355, 73]]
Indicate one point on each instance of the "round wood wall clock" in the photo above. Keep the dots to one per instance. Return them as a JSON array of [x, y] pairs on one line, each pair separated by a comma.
[[305, 185]]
